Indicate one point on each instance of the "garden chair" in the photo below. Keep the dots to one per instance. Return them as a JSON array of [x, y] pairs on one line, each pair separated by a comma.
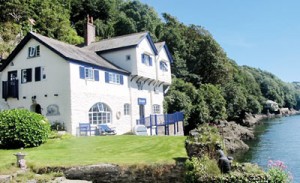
[[106, 130], [85, 128]]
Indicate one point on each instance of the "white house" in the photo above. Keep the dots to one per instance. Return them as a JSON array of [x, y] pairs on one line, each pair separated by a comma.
[[115, 81]]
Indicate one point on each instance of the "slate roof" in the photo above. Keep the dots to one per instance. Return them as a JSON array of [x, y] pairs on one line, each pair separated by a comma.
[[67, 51], [120, 42]]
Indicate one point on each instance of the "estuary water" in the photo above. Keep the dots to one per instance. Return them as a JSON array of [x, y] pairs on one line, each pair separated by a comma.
[[276, 139]]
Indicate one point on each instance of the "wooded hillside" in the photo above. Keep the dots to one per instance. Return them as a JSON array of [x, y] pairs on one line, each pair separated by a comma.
[[207, 85]]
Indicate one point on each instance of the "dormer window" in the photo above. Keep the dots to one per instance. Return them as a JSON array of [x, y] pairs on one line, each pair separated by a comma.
[[163, 66], [33, 51], [146, 59]]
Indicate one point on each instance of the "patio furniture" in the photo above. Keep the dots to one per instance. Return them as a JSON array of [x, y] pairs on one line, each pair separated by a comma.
[[106, 130], [85, 129]]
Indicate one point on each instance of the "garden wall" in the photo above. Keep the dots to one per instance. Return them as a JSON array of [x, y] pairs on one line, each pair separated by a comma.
[[109, 173]]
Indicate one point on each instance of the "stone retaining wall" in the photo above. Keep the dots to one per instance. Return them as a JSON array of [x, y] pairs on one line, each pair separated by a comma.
[[109, 173]]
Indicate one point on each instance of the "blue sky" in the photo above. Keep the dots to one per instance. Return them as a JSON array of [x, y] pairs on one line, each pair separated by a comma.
[[263, 34]]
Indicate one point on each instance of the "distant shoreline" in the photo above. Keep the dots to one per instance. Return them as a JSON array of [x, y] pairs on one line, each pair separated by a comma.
[[235, 134]]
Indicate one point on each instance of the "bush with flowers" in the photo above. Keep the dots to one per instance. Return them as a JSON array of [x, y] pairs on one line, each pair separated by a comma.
[[278, 172]]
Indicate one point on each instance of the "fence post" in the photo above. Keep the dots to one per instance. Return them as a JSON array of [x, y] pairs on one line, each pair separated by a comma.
[[156, 124], [178, 121], [150, 125], [166, 124], [175, 121]]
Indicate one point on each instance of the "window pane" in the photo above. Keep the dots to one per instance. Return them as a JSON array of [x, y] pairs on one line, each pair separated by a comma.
[[99, 114]]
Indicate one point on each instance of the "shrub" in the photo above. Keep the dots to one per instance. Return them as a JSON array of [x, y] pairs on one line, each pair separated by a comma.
[[205, 170], [203, 140], [278, 172], [22, 128], [58, 126]]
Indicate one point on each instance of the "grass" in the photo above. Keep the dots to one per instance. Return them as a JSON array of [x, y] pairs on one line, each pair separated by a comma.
[[122, 150]]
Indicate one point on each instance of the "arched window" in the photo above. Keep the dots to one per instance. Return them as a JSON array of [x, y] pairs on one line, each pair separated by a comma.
[[99, 113]]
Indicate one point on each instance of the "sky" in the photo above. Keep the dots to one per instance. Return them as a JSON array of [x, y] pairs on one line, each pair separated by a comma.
[[262, 34]]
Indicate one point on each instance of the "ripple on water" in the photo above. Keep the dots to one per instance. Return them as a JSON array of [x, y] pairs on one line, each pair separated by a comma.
[[277, 139]]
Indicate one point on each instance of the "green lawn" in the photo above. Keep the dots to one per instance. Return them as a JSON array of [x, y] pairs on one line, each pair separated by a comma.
[[122, 150]]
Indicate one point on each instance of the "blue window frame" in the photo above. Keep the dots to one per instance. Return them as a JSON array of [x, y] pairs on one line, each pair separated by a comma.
[[146, 59], [163, 66], [88, 73], [114, 78]]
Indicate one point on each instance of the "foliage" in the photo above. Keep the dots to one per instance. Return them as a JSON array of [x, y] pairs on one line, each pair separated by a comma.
[[202, 141], [180, 98], [22, 128], [202, 167], [198, 58], [215, 102], [58, 126], [278, 172], [206, 170]]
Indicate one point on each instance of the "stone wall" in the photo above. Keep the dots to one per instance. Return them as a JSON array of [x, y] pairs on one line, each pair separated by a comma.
[[109, 173]]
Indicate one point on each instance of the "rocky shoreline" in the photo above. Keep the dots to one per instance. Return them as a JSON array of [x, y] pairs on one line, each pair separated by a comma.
[[235, 134]]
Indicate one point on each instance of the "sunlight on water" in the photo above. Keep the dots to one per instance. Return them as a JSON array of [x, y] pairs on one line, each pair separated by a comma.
[[277, 139]]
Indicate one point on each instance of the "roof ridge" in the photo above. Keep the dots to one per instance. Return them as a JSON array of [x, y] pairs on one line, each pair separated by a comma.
[[122, 36]]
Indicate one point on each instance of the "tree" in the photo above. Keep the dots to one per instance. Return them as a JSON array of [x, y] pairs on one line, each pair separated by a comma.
[[206, 58], [236, 100], [124, 25], [145, 18], [215, 102]]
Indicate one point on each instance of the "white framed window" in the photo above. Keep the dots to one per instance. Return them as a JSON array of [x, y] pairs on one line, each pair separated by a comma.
[[126, 109], [146, 59], [163, 66], [26, 75], [89, 73], [99, 113], [156, 109], [114, 78], [33, 51]]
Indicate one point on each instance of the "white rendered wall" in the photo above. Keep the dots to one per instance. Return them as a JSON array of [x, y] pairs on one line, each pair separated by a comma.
[[144, 70], [163, 76], [119, 58], [56, 83], [86, 93]]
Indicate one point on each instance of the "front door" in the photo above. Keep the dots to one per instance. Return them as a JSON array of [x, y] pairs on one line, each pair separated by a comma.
[[142, 111]]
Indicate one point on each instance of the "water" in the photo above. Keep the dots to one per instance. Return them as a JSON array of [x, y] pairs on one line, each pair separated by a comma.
[[277, 139]]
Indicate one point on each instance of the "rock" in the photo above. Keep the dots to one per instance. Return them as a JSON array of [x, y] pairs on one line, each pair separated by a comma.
[[105, 171], [234, 134], [5, 178], [64, 180]]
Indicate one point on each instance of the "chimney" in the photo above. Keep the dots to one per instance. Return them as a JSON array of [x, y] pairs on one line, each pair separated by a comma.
[[90, 31]]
